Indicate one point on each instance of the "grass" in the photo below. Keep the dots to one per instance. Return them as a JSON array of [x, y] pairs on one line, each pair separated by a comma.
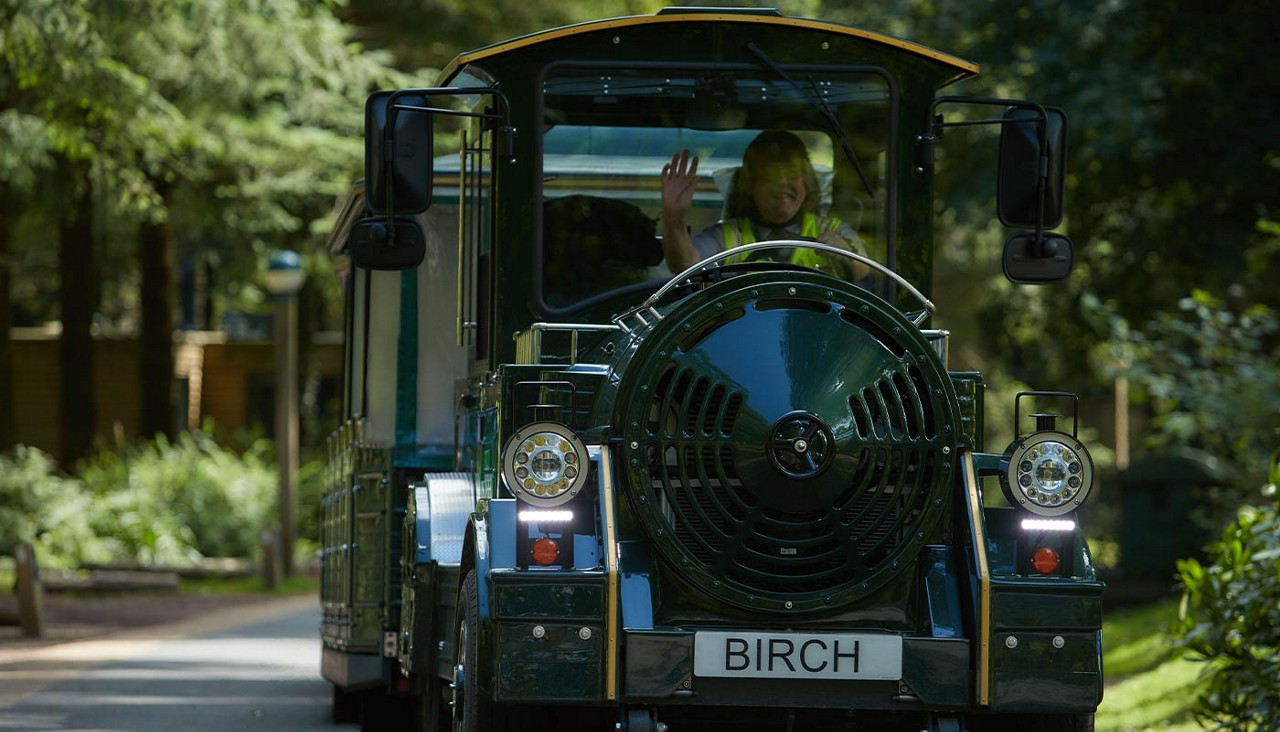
[[1150, 683]]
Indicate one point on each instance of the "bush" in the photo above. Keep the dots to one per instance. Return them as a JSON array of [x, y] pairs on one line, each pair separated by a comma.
[[167, 503], [41, 507], [1231, 618]]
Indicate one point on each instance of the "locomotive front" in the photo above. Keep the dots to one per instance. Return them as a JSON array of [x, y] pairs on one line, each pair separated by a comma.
[[787, 444], [748, 492]]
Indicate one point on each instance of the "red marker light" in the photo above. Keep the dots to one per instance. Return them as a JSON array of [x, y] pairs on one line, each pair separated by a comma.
[[1045, 560], [545, 551]]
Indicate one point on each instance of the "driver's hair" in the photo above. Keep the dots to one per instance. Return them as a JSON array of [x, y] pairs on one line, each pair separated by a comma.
[[771, 147]]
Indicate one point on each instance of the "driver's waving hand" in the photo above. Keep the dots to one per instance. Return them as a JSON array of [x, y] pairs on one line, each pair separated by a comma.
[[774, 196]]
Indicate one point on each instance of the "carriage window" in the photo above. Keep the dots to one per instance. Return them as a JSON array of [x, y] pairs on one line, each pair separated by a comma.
[[607, 135]]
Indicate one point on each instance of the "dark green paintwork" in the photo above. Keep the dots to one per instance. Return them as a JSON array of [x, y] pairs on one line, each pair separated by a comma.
[[1037, 676], [544, 595], [560, 666]]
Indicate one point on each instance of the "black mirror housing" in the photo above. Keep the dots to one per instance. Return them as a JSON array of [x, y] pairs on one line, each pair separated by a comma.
[[372, 245], [409, 168], [1032, 260], [1020, 161]]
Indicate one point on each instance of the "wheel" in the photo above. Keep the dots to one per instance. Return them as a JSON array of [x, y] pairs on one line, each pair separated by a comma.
[[346, 706], [471, 711]]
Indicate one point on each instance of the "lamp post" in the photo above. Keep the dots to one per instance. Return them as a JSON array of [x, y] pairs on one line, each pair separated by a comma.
[[284, 278]]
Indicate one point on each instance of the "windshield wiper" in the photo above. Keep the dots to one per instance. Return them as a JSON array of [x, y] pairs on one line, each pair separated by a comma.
[[823, 107]]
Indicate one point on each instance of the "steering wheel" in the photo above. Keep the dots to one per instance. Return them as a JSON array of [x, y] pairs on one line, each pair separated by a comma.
[[705, 268]]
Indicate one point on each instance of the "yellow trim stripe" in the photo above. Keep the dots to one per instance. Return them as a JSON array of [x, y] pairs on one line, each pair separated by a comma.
[[984, 580], [611, 574], [616, 23]]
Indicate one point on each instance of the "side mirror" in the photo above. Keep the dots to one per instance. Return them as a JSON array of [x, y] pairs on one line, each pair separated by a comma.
[[1029, 260], [409, 171], [372, 245], [1020, 168]]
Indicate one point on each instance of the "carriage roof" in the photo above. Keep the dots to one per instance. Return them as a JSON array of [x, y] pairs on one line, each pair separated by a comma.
[[765, 17]]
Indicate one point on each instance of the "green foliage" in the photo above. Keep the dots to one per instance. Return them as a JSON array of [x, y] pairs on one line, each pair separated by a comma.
[[1231, 618], [1211, 374], [163, 502], [311, 485], [41, 507]]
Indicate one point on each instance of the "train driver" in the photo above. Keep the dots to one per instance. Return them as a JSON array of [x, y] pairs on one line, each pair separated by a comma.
[[774, 195]]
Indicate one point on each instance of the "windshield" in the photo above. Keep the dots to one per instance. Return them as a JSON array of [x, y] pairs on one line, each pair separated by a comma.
[[608, 134]]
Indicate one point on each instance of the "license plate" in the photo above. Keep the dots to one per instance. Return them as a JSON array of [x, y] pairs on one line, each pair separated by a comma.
[[855, 656]]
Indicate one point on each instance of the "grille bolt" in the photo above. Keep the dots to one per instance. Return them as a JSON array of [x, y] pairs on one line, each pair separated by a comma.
[[866, 308], [937, 501], [920, 358], [946, 429], [641, 498], [634, 424], [719, 306], [1059, 641], [662, 354], [791, 290], [635, 462], [688, 327], [787, 604], [635, 445], [661, 532], [1011, 642], [713, 584], [755, 294], [644, 387], [827, 599], [946, 449], [539, 631], [865, 585], [920, 535], [585, 634]]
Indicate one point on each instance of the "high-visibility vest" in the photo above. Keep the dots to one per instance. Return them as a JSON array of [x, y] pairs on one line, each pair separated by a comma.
[[745, 233]]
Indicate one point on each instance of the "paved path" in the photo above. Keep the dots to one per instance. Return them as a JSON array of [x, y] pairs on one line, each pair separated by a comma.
[[253, 667]]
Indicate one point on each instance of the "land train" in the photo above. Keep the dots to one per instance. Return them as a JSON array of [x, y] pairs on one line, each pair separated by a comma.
[[576, 490]]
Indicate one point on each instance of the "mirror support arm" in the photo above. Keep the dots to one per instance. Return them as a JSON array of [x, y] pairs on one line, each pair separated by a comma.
[[925, 143], [506, 140]]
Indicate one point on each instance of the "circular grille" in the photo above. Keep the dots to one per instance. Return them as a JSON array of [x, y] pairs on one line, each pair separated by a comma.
[[786, 452]]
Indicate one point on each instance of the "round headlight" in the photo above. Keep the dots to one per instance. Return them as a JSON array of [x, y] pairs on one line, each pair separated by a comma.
[[542, 464], [1048, 473]]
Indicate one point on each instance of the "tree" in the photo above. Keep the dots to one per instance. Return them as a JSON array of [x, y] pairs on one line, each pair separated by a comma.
[[247, 111]]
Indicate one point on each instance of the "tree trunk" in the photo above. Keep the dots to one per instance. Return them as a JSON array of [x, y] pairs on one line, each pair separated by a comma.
[[155, 342], [8, 422], [78, 299]]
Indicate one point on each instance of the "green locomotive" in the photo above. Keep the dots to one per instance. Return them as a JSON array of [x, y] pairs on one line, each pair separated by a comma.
[[577, 492]]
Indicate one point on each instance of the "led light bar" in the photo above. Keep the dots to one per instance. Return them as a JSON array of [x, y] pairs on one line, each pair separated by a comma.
[[546, 517], [1048, 525]]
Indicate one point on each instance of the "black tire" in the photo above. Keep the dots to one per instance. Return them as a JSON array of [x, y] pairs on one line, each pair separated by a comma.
[[471, 711], [346, 706]]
